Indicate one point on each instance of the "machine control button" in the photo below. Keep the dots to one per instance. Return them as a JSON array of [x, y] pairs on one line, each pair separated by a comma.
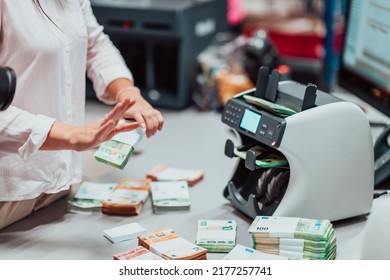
[[270, 132]]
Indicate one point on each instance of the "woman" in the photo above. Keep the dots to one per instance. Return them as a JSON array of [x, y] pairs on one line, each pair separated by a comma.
[[51, 45]]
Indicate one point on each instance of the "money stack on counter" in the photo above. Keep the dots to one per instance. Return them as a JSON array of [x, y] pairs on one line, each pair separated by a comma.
[[127, 198], [170, 246], [89, 197], [137, 253], [170, 196], [117, 151], [296, 238], [217, 236], [240, 252], [161, 172]]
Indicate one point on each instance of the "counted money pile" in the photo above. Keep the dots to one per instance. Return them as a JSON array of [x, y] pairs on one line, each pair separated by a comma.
[[161, 172], [217, 236], [127, 198], [277, 109], [137, 253], [167, 244], [296, 238], [117, 151], [170, 196]]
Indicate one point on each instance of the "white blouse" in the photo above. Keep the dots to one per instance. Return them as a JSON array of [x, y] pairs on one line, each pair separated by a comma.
[[50, 44]]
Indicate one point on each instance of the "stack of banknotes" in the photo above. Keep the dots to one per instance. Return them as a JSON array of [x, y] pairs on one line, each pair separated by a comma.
[[269, 160], [137, 253], [295, 238], [217, 236], [117, 151], [89, 197], [277, 109], [240, 252], [162, 172], [167, 244], [127, 198], [170, 196]]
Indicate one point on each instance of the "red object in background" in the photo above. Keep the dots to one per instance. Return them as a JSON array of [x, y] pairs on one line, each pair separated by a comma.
[[304, 43], [297, 45]]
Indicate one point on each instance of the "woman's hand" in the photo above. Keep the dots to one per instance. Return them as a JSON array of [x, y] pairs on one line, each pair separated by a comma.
[[142, 112], [80, 138]]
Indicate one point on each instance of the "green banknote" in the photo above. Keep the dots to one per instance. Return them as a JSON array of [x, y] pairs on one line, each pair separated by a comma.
[[114, 153], [277, 109]]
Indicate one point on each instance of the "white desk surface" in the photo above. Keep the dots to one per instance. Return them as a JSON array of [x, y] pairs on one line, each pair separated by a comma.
[[190, 139]]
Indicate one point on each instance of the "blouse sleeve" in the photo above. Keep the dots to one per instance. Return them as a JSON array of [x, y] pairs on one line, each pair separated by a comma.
[[22, 132]]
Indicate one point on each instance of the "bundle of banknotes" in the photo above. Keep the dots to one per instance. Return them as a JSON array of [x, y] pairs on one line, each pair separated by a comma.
[[170, 196], [295, 238], [137, 253], [240, 252], [88, 199], [167, 244], [277, 109], [117, 151], [161, 172], [269, 160], [127, 198], [217, 236]]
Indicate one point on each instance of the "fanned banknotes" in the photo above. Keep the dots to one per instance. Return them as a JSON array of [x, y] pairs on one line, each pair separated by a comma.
[[297, 238], [117, 151]]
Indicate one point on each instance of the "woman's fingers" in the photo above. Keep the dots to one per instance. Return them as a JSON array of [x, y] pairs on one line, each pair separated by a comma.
[[119, 110]]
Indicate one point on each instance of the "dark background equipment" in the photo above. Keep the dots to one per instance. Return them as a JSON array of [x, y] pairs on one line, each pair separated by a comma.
[[160, 41], [7, 87], [365, 68]]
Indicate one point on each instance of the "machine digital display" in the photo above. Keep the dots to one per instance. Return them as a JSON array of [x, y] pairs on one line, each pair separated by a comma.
[[250, 121]]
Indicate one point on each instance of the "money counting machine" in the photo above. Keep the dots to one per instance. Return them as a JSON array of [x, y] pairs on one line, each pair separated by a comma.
[[302, 152]]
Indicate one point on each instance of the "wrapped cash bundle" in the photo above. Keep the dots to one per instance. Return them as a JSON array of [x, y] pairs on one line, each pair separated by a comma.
[[117, 151], [170, 196], [167, 244], [296, 238], [217, 236], [137, 253]]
